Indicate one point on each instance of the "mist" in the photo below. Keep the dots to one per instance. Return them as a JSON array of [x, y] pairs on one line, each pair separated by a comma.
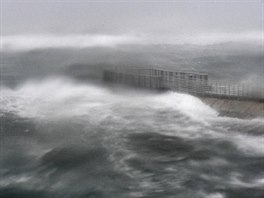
[[221, 37], [232, 61], [66, 132]]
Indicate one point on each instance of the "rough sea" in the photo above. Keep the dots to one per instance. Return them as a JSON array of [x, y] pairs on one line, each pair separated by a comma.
[[65, 138]]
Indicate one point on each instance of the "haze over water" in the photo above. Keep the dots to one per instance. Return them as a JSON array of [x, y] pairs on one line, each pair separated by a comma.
[[66, 136]]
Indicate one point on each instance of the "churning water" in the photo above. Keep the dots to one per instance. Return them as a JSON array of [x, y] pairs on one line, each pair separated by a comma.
[[62, 138]]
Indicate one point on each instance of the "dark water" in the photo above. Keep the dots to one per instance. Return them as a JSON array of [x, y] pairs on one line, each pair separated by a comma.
[[64, 138]]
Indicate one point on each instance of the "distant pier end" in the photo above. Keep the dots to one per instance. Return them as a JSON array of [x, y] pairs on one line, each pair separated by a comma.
[[236, 100]]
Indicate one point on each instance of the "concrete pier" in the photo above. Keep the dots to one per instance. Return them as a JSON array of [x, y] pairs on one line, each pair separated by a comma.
[[236, 100], [235, 108]]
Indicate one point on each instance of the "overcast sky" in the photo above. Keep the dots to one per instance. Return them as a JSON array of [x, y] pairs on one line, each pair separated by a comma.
[[111, 17], [152, 19]]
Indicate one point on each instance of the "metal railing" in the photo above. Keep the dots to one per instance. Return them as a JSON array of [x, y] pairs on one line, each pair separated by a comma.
[[183, 82]]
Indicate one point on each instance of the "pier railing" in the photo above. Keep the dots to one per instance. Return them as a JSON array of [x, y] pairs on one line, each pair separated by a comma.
[[195, 83]]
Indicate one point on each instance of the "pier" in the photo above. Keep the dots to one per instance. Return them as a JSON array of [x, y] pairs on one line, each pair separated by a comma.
[[192, 82], [236, 100]]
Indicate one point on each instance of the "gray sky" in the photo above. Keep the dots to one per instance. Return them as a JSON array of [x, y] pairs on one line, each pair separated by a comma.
[[27, 24], [121, 17]]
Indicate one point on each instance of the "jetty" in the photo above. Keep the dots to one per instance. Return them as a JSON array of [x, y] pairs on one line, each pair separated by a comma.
[[229, 99]]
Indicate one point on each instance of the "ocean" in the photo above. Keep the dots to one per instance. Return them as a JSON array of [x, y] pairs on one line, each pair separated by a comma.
[[62, 137]]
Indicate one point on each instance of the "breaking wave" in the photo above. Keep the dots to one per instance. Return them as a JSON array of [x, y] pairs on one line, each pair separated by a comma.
[[79, 41], [152, 144], [29, 42], [60, 97]]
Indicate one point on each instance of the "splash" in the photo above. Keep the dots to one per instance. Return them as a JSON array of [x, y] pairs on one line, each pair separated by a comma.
[[186, 104], [52, 98], [175, 137], [60, 97], [170, 113]]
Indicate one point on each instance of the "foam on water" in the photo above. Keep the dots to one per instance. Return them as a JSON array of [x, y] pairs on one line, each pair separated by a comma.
[[171, 134], [61, 97], [52, 98], [186, 104]]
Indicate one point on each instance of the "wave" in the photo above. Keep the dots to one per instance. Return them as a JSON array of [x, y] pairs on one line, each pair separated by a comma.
[[29, 42], [60, 97], [156, 141], [79, 41], [169, 113]]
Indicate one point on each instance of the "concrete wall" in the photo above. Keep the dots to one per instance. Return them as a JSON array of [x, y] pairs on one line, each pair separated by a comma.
[[236, 108]]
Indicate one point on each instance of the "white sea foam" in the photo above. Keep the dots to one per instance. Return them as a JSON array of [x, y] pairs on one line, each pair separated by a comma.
[[251, 145], [11, 180], [62, 97], [215, 195], [186, 104], [52, 98]]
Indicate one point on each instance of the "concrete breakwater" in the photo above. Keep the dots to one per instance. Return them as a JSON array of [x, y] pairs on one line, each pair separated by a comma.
[[235, 108], [234, 100]]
